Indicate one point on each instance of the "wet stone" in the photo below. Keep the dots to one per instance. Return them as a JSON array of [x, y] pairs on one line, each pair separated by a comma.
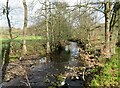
[[74, 83]]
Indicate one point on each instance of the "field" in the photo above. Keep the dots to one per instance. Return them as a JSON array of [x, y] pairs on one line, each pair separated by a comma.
[[20, 38], [34, 45]]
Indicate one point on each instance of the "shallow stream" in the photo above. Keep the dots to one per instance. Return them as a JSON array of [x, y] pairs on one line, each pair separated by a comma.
[[44, 73]]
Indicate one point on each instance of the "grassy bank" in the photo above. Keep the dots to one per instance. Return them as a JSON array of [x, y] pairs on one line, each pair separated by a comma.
[[108, 76]]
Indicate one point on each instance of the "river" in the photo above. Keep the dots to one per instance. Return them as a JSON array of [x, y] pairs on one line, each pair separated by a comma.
[[47, 69]]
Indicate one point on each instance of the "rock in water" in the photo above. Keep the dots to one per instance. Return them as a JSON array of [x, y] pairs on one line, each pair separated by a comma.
[[43, 60]]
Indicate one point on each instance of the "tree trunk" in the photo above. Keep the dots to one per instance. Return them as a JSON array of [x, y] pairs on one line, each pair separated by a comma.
[[48, 39], [107, 27], [7, 53], [6, 61], [47, 25], [1, 54], [119, 27], [24, 48], [113, 32], [8, 20]]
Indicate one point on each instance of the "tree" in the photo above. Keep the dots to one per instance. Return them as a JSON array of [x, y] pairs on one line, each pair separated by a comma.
[[107, 28], [0, 60], [82, 22], [61, 28], [54, 25], [114, 27], [47, 7], [6, 11], [119, 21], [8, 48], [111, 27], [24, 48], [119, 29], [110, 23]]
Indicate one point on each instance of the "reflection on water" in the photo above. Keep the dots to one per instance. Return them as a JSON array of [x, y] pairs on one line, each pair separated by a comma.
[[66, 57], [55, 64], [73, 48]]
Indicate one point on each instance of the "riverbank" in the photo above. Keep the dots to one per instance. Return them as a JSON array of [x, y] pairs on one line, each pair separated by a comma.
[[108, 76]]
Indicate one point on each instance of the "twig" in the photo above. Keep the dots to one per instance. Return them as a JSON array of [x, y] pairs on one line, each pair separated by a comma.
[[26, 77], [83, 76], [28, 82]]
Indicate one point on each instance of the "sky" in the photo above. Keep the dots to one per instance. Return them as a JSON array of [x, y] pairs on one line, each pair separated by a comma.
[[16, 12]]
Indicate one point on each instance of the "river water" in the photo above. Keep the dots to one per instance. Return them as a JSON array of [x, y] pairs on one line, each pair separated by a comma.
[[68, 57]]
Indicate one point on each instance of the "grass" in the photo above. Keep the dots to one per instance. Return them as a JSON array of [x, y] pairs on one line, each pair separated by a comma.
[[109, 74], [19, 38], [34, 46]]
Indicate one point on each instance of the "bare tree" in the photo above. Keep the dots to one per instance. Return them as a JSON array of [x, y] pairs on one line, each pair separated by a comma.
[[114, 27], [7, 52], [119, 29], [118, 22], [47, 25], [24, 48], [8, 20], [107, 27], [0, 59]]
